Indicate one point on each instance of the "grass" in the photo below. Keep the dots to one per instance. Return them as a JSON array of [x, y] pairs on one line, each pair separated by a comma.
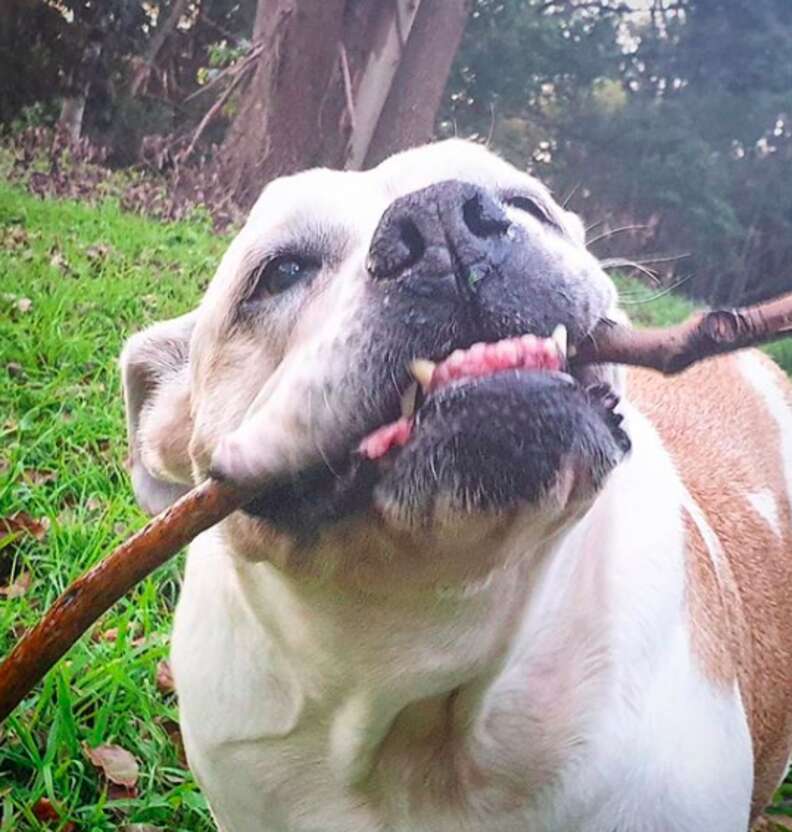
[[92, 276], [75, 281]]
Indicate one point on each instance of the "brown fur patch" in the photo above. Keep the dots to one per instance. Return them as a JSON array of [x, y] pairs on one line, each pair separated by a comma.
[[727, 445]]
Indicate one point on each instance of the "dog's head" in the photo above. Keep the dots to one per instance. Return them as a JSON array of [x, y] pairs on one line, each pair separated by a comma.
[[294, 374]]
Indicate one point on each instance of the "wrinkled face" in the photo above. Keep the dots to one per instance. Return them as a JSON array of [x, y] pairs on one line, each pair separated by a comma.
[[299, 376]]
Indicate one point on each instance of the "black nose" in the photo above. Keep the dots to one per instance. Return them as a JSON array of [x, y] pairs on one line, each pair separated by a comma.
[[445, 229]]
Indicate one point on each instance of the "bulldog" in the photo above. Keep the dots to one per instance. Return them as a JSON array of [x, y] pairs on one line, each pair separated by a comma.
[[479, 588]]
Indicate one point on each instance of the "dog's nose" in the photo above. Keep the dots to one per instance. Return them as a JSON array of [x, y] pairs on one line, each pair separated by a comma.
[[441, 230]]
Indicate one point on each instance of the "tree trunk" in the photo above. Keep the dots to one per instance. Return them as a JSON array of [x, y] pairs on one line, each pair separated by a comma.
[[331, 72], [164, 29], [73, 106], [283, 123], [408, 117]]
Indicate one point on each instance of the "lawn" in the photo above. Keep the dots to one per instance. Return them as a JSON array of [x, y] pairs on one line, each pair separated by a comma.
[[75, 281]]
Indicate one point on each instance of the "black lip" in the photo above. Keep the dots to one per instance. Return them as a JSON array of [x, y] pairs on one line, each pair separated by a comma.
[[321, 496]]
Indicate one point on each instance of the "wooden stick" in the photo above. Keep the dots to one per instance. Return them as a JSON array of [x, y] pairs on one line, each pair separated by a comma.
[[674, 348], [668, 350], [96, 591]]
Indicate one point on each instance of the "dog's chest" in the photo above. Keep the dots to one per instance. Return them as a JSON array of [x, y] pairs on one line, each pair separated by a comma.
[[341, 739]]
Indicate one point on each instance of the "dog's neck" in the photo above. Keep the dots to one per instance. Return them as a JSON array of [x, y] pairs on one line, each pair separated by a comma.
[[426, 661]]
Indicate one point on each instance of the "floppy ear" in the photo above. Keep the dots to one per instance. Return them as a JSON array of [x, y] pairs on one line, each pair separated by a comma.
[[155, 370]]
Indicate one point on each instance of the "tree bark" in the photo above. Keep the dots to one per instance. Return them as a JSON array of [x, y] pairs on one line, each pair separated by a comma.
[[161, 34], [408, 118], [337, 78], [72, 111], [285, 121]]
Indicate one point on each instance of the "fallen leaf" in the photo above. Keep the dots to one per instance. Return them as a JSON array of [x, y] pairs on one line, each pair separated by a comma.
[[116, 792], [110, 634], [121, 529], [45, 811], [165, 683], [173, 730], [24, 305], [15, 369], [58, 261], [93, 504], [18, 588], [19, 525], [118, 765], [35, 476], [98, 252]]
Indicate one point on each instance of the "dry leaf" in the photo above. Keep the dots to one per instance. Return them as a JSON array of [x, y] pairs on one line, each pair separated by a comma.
[[110, 634], [165, 683], [15, 369], [118, 765], [18, 588], [173, 730], [45, 811], [58, 261], [116, 792], [20, 525], [93, 504], [36, 476], [24, 304], [98, 252]]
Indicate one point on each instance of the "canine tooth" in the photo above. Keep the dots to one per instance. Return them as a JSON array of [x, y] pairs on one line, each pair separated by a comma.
[[423, 371], [408, 400], [560, 338]]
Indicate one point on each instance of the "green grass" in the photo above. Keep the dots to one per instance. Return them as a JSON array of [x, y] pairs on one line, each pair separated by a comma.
[[62, 450]]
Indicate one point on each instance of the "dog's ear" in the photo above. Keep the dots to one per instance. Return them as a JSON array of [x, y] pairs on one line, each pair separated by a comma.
[[155, 369]]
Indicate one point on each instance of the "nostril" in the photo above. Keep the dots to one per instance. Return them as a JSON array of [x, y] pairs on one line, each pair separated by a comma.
[[484, 218], [412, 238]]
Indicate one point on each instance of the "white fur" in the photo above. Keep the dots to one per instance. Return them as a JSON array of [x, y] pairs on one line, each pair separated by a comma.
[[554, 692], [309, 681]]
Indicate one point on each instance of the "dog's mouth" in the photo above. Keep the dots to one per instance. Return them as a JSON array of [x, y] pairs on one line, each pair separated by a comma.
[[527, 353], [484, 428]]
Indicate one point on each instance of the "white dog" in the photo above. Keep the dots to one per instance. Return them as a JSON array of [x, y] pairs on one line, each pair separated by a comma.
[[488, 604]]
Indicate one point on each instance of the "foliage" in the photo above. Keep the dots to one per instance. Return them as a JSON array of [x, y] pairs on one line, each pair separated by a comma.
[[678, 120]]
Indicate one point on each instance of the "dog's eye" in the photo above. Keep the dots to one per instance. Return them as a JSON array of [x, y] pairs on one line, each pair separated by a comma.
[[530, 206], [281, 273]]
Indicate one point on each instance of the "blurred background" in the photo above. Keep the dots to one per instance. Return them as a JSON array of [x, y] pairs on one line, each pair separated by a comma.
[[665, 123]]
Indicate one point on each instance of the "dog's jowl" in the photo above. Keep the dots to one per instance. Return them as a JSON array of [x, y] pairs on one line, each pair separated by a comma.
[[478, 589]]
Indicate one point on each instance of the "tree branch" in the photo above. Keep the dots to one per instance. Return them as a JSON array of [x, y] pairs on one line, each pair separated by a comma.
[[673, 349], [669, 350]]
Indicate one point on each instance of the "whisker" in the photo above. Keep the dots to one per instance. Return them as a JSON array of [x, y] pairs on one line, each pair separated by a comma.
[[568, 198], [636, 302], [612, 233]]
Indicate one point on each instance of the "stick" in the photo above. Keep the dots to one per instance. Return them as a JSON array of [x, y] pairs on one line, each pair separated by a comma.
[[668, 350], [96, 591], [674, 348]]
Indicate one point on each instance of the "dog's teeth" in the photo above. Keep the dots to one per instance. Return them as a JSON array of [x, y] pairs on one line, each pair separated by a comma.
[[559, 336], [408, 400], [423, 371]]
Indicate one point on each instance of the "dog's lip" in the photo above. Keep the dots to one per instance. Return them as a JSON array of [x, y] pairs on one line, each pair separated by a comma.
[[525, 353]]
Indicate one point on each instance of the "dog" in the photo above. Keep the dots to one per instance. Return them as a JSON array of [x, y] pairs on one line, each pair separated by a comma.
[[478, 587]]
